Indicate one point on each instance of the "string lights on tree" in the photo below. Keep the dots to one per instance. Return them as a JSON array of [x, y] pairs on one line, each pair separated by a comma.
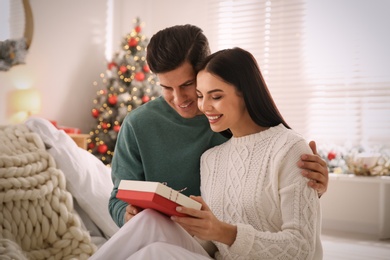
[[127, 84]]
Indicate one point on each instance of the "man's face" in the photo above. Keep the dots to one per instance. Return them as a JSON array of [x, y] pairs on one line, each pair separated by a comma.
[[179, 90]]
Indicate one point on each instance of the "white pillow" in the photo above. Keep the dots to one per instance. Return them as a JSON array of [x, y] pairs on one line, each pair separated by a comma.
[[87, 178]]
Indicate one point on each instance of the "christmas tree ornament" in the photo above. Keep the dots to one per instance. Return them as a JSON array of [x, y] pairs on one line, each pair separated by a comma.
[[127, 84], [140, 76], [133, 42], [111, 65], [113, 99], [123, 69], [95, 113], [145, 99], [146, 68], [331, 155], [117, 128], [102, 148]]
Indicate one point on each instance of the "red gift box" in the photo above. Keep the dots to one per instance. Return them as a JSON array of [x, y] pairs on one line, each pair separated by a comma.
[[154, 195], [70, 130]]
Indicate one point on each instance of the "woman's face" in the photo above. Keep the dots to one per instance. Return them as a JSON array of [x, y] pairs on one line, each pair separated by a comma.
[[222, 104]]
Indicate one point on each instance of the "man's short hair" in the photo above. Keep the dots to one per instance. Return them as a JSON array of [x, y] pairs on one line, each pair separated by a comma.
[[171, 47]]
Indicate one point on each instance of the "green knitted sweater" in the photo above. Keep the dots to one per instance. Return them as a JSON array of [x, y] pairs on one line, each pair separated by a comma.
[[156, 144]]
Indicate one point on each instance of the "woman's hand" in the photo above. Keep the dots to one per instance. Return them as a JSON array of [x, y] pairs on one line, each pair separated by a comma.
[[315, 168], [204, 225]]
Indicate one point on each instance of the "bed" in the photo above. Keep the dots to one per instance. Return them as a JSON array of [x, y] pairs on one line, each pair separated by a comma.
[[54, 195]]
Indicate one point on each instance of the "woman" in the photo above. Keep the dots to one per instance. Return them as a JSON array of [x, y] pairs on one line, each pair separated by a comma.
[[255, 204], [260, 207]]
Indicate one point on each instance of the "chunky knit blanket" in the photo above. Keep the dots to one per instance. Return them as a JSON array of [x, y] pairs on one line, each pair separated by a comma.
[[37, 220]]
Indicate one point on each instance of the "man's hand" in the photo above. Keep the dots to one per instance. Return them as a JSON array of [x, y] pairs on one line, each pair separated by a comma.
[[131, 211], [315, 168]]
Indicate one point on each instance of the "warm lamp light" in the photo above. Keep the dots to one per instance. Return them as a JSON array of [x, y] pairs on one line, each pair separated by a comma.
[[23, 103]]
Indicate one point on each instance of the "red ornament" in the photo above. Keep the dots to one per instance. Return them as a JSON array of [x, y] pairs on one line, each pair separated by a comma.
[[146, 68], [111, 65], [91, 146], [331, 156], [140, 76], [133, 42], [137, 29], [104, 125], [113, 99], [102, 148], [145, 99], [117, 128], [95, 113], [123, 68]]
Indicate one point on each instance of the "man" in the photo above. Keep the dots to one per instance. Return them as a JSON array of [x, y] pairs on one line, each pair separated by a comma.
[[163, 140]]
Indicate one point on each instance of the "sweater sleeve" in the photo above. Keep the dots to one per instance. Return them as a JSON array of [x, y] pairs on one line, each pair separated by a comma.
[[127, 165], [299, 209]]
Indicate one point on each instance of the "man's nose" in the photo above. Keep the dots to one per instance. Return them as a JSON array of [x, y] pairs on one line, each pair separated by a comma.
[[179, 95]]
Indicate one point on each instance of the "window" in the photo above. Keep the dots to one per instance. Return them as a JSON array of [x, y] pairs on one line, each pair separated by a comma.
[[326, 63], [12, 20]]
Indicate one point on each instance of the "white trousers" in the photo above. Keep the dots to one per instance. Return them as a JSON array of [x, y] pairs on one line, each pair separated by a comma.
[[151, 235]]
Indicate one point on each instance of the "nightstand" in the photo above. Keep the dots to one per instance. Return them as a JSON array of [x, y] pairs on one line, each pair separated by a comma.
[[80, 140]]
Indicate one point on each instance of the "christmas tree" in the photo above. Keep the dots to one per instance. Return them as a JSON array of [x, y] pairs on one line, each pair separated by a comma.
[[127, 84]]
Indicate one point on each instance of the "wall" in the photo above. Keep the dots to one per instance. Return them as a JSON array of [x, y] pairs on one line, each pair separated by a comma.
[[357, 205], [66, 55], [160, 14], [68, 50]]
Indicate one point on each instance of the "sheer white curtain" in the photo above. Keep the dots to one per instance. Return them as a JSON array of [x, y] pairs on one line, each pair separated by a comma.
[[326, 62]]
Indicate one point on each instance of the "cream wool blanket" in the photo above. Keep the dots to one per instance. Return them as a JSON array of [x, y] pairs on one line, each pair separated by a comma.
[[37, 220]]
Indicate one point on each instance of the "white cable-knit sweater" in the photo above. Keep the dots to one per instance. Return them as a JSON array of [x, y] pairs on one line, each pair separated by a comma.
[[254, 182]]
